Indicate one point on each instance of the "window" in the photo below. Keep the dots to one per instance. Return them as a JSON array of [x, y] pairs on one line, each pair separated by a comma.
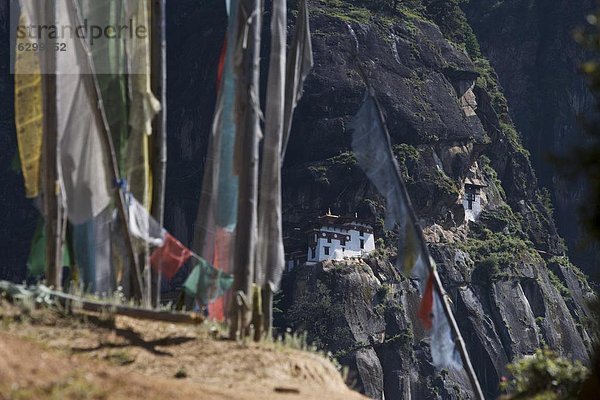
[[326, 248], [470, 199], [343, 249], [361, 233], [342, 242], [328, 240], [362, 244], [313, 252]]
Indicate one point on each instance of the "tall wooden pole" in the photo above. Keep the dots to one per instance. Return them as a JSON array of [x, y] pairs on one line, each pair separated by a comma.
[[50, 183], [249, 25], [159, 126], [464, 354]]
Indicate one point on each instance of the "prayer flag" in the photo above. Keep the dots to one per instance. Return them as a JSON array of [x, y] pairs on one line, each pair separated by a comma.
[[36, 262], [370, 137], [207, 283], [443, 350], [270, 258], [82, 153], [113, 62], [299, 64], [217, 211], [143, 105], [218, 201], [28, 111], [93, 253], [221, 66], [170, 257], [142, 225], [426, 306]]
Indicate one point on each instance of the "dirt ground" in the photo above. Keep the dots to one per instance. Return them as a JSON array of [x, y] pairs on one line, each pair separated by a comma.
[[48, 355]]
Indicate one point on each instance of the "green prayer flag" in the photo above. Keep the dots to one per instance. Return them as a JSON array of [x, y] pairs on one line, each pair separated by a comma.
[[15, 164], [191, 283], [110, 62], [206, 283], [36, 263]]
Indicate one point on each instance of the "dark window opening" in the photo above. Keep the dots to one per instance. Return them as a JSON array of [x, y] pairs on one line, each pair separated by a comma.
[[328, 240], [313, 252], [470, 200], [342, 242], [326, 248], [362, 244], [362, 233]]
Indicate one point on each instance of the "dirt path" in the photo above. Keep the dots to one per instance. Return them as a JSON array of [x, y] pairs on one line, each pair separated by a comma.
[[46, 355]]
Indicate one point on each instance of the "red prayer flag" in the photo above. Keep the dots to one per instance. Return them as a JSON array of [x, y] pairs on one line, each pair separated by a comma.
[[221, 260], [426, 306], [170, 257], [221, 66]]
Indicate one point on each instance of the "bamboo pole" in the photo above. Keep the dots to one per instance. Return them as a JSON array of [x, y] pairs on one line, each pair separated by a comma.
[[246, 161], [437, 282], [93, 89], [159, 88], [52, 189]]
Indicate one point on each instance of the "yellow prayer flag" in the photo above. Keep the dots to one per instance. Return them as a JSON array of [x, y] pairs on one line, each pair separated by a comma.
[[29, 115], [144, 106]]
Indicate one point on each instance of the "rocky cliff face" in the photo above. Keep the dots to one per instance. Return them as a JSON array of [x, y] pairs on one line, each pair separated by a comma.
[[531, 47], [511, 286], [364, 313]]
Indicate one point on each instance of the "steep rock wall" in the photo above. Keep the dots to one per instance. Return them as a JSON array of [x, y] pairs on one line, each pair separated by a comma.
[[531, 47], [511, 286], [363, 311]]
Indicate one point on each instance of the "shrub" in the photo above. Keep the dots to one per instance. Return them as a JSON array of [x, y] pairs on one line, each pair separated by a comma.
[[345, 158], [495, 253], [557, 283], [316, 312], [544, 375], [383, 291]]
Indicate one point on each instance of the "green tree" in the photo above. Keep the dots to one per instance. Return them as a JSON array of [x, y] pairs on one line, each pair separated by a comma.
[[545, 375], [452, 21]]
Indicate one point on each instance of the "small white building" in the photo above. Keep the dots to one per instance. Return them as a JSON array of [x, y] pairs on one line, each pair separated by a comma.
[[472, 199], [335, 238]]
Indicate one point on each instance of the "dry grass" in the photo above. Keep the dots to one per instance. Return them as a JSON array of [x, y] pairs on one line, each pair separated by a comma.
[[48, 355]]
